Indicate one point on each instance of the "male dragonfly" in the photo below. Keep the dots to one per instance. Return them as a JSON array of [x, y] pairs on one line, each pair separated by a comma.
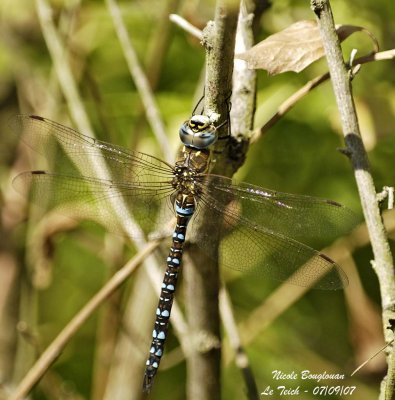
[[259, 231]]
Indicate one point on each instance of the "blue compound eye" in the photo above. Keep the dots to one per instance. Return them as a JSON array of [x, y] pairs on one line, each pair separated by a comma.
[[198, 132]]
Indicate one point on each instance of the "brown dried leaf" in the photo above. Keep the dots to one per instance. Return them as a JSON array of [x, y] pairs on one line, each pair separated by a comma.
[[292, 49]]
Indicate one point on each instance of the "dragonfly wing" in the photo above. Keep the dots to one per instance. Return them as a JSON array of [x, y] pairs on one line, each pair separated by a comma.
[[60, 144], [303, 218], [260, 245], [108, 203]]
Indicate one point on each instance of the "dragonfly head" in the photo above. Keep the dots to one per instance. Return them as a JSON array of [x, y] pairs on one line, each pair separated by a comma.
[[198, 132]]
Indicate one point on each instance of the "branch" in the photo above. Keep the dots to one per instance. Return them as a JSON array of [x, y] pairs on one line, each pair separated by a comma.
[[241, 359], [140, 80], [244, 90], [53, 351], [202, 277], [340, 77], [289, 103], [186, 26]]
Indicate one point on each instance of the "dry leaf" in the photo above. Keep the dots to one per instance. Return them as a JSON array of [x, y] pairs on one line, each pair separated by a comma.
[[292, 49]]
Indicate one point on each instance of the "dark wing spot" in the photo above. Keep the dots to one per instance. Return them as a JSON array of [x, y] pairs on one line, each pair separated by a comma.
[[38, 172], [334, 203], [325, 257], [37, 117]]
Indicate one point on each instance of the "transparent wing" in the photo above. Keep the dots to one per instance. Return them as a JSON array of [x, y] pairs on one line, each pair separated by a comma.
[[44, 136], [300, 217], [137, 183], [103, 201], [260, 232]]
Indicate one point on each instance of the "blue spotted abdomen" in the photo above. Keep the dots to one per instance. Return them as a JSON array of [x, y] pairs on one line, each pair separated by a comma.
[[184, 207]]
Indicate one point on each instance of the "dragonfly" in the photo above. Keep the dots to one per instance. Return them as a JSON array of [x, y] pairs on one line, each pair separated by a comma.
[[253, 230]]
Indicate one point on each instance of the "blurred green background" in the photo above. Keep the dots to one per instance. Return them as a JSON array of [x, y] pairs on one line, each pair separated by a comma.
[[49, 271]]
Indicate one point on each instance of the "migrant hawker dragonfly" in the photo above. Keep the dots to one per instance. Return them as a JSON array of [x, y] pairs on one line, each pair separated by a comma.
[[262, 230]]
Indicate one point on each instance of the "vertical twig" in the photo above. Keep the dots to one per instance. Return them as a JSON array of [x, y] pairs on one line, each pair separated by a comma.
[[160, 43], [62, 69], [241, 359], [9, 289], [244, 90], [157, 53], [242, 118], [140, 80], [202, 277], [340, 77]]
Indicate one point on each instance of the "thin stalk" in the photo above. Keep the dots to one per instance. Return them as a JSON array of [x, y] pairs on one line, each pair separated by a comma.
[[202, 276], [292, 100], [383, 261], [241, 358], [53, 351], [140, 79]]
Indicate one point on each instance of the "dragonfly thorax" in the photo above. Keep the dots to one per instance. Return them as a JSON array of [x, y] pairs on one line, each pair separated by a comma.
[[198, 132], [185, 180]]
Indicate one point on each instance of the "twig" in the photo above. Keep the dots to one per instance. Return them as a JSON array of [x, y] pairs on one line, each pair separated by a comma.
[[158, 49], [371, 357], [187, 26], [384, 267], [387, 192], [289, 103], [53, 351], [140, 80], [244, 89], [202, 277], [77, 109], [62, 69], [241, 358], [242, 116]]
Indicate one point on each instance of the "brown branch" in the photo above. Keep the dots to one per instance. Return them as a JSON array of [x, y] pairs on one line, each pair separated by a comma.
[[383, 262], [202, 277]]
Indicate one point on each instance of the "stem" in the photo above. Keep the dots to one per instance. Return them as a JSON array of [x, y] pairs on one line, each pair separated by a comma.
[[244, 90], [53, 351], [140, 80], [186, 26], [241, 359], [289, 103], [202, 277], [383, 262]]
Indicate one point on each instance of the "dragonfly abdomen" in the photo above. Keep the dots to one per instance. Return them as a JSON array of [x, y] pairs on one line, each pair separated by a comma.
[[185, 207]]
